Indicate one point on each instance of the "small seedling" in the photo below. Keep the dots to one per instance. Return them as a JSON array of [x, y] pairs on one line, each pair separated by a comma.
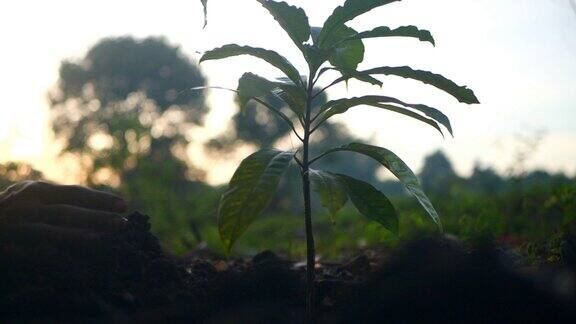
[[337, 47]]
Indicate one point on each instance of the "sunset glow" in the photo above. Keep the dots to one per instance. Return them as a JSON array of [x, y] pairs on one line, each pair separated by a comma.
[[522, 66]]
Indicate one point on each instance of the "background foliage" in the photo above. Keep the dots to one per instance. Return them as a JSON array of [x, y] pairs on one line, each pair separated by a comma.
[[530, 211]]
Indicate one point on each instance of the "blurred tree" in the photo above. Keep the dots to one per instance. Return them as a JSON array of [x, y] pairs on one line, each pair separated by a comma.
[[122, 112], [124, 95], [437, 174], [485, 180]]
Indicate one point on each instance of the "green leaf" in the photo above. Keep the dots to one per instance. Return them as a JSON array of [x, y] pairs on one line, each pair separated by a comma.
[[433, 113], [364, 77], [314, 56], [340, 106], [271, 57], [393, 163], [292, 19], [205, 5], [293, 95], [404, 31], [342, 14], [409, 113], [249, 192], [462, 93], [348, 54], [262, 102], [352, 74], [331, 189], [371, 203], [252, 86]]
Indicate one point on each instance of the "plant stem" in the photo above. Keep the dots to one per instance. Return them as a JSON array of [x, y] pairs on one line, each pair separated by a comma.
[[310, 251]]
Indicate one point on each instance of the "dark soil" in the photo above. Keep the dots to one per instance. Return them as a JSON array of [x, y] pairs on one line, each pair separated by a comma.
[[129, 279]]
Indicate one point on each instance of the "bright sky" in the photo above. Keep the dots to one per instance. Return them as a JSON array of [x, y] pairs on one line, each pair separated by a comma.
[[519, 56]]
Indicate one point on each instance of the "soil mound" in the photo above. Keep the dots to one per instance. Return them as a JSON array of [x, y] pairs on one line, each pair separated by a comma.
[[128, 278]]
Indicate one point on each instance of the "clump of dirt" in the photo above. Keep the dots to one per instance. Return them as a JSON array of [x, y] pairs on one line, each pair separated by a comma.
[[127, 278], [124, 272]]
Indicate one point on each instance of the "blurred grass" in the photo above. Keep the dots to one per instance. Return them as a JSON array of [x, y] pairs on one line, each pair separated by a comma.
[[534, 213], [528, 219]]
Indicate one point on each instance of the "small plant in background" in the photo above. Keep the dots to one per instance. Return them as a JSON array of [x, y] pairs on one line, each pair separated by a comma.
[[336, 47]]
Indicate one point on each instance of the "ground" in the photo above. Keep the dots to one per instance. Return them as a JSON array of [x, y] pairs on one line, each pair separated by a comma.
[[128, 278]]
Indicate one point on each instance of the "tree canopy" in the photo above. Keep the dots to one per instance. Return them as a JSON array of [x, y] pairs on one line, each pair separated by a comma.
[[122, 112], [110, 106]]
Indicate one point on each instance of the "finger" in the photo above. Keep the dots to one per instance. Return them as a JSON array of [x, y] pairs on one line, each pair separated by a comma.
[[33, 235], [4, 195], [68, 216], [17, 186], [3, 198], [51, 194], [87, 198]]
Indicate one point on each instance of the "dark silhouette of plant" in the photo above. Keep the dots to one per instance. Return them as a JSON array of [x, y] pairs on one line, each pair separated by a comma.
[[258, 127], [257, 177]]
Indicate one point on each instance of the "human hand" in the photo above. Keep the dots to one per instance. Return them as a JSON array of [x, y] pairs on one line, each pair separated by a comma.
[[34, 213]]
